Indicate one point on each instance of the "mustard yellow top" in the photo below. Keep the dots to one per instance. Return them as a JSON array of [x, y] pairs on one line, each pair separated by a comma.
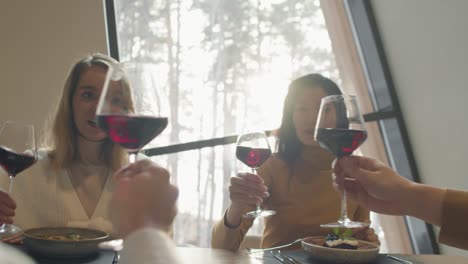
[[302, 202], [454, 231]]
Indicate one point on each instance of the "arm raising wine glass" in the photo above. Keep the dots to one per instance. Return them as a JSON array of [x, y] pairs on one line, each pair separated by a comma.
[[17, 153], [253, 150], [340, 130]]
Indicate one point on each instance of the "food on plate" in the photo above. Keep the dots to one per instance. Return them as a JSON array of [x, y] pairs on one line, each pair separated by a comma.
[[66, 237], [343, 241]]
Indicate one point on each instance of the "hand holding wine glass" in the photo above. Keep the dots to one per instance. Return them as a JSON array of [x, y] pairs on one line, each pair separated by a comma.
[[17, 153], [253, 150], [340, 130], [7, 207], [128, 108]]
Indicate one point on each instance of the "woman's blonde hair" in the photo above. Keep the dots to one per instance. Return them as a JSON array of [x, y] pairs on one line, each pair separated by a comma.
[[60, 135]]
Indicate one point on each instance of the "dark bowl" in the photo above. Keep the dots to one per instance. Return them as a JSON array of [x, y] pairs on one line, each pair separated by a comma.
[[63, 242], [365, 253]]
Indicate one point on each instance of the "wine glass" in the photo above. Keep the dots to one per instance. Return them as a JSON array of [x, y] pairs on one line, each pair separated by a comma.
[[129, 108], [253, 150], [17, 153], [340, 130]]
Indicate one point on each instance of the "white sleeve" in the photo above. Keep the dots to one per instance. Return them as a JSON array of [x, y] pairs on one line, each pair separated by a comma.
[[148, 245], [11, 255]]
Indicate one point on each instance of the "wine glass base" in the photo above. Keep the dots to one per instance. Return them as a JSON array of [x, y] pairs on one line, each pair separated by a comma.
[[345, 224], [8, 230], [260, 213]]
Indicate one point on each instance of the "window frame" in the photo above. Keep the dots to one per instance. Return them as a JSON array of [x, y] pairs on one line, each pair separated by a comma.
[[384, 95]]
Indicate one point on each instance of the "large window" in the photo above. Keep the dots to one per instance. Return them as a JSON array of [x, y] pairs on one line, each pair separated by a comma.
[[222, 66]]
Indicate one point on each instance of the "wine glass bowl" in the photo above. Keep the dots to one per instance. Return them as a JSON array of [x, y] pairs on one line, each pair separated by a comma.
[[18, 151], [340, 130], [253, 150], [129, 108]]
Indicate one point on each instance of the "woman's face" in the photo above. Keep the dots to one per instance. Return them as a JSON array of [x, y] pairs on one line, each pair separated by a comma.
[[85, 100], [305, 114]]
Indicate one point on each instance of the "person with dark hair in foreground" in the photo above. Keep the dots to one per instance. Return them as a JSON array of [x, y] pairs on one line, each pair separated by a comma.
[[380, 189]]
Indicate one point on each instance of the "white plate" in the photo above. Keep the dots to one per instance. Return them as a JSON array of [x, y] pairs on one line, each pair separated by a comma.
[[87, 245]]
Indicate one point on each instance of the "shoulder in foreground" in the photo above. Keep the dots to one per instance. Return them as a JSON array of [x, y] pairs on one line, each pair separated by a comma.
[[9, 254]]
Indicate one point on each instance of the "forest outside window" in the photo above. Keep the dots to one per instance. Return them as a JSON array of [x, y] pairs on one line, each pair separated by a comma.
[[221, 66]]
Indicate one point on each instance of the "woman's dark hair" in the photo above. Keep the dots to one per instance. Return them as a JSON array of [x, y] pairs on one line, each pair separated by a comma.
[[288, 144]]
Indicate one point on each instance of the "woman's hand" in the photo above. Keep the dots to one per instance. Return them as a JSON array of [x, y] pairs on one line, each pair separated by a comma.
[[7, 211], [246, 190], [7, 208]]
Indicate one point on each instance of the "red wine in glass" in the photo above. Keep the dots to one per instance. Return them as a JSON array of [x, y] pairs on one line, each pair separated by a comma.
[[129, 108], [131, 132], [253, 150], [252, 157], [340, 130], [14, 163], [17, 153], [340, 142]]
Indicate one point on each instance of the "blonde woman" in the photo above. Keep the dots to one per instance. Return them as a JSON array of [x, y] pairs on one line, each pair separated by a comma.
[[71, 184]]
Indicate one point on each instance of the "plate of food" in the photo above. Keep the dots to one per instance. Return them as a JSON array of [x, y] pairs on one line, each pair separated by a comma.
[[340, 248], [63, 242]]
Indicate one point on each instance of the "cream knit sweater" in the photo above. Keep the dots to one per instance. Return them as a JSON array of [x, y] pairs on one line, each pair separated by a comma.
[[46, 198]]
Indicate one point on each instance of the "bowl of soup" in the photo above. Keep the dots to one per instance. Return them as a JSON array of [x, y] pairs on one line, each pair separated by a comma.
[[63, 242]]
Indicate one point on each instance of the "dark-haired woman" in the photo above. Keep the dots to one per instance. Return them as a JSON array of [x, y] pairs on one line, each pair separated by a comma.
[[296, 182]]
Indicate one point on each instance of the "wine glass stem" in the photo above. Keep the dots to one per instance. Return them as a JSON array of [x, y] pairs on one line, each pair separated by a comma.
[[132, 157], [257, 206], [11, 184], [10, 188], [344, 208]]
